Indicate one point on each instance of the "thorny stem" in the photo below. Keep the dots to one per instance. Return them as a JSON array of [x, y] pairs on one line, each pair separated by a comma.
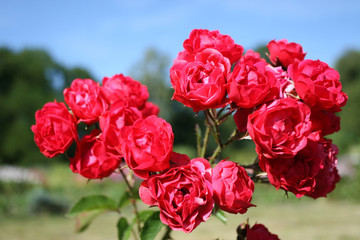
[[132, 198]]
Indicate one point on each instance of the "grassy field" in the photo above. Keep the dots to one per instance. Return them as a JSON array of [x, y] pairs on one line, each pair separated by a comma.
[[318, 220], [289, 217]]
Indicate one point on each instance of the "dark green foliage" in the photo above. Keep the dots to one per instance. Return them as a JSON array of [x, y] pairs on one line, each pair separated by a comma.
[[349, 68], [28, 79]]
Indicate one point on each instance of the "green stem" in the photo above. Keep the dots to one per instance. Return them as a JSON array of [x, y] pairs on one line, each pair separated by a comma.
[[224, 117], [219, 148], [212, 122], [198, 139], [167, 234], [205, 141], [132, 199]]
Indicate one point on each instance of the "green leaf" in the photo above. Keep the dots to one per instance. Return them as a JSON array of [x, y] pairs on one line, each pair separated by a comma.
[[152, 227], [124, 229], [219, 214], [83, 220], [143, 215], [90, 203], [124, 199]]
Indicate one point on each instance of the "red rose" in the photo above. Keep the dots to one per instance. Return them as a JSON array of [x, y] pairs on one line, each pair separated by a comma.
[[178, 159], [233, 188], [328, 176], [91, 159], [201, 39], [120, 87], [241, 118], [183, 194], [326, 122], [260, 232], [147, 145], [55, 129], [283, 53], [112, 122], [252, 82], [280, 128], [150, 109], [286, 86], [318, 85], [296, 174], [200, 84], [86, 99]]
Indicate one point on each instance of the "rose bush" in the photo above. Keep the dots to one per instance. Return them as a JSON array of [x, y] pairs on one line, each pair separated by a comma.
[[286, 108]]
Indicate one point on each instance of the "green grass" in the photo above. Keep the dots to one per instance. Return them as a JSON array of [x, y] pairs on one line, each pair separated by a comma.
[[320, 219], [289, 217]]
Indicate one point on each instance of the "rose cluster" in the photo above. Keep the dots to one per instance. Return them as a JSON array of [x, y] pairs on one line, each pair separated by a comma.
[[116, 109], [287, 106], [126, 127]]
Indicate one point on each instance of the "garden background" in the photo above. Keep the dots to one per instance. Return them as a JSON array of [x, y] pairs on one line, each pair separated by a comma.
[[44, 45]]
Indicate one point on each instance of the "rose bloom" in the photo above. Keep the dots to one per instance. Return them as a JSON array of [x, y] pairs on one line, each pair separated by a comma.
[[286, 85], [178, 159], [328, 176], [233, 188], [201, 39], [147, 145], [283, 53], [183, 194], [200, 84], [252, 82], [112, 122], [241, 118], [55, 129], [325, 122], [318, 85], [120, 87], [91, 159], [280, 128], [296, 174], [150, 109], [260, 232], [86, 99]]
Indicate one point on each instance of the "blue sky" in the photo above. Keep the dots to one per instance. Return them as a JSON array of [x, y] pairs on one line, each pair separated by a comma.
[[108, 37]]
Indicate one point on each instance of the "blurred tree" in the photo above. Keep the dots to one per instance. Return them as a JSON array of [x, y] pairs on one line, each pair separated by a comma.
[[349, 68], [28, 79]]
